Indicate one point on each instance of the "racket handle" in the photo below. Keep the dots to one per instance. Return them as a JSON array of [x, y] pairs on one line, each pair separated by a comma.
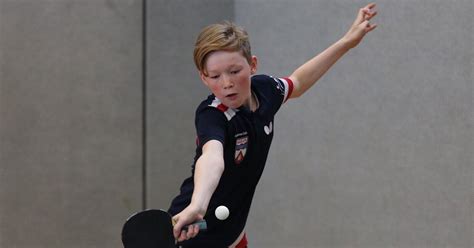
[[202, 225]]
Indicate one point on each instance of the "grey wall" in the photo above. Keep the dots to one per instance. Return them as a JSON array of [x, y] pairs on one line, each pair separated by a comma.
[[70, 116], [378, 154]]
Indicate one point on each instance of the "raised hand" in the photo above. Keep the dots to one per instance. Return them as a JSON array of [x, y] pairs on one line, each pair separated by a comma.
[[361, 25]]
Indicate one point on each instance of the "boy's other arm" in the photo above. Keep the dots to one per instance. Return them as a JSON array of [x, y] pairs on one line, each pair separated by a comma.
[[208, 171], [306, 75]]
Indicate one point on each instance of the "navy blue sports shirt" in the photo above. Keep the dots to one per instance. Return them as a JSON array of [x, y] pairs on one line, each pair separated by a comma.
[[246, 137]]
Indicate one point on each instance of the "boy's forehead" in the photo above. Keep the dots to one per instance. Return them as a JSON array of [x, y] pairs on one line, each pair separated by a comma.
[[220, 59]]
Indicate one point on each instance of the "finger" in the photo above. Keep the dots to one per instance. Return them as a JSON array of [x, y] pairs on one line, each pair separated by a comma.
[[369, 15], [182, 236], [370, 6], [176, 229], [360, 16], [373, 14], [196, 228], [191, 232], [177, 234], [369, 10], [364, 24], [370, 27]]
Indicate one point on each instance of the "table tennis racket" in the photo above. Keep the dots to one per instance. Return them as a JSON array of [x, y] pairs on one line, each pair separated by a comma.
[[151, 228]]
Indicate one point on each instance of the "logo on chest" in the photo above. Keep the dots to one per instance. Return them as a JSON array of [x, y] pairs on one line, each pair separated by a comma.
[[241, 143], [268, 129]]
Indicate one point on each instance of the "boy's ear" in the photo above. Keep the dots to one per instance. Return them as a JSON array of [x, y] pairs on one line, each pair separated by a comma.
[[254, 65]]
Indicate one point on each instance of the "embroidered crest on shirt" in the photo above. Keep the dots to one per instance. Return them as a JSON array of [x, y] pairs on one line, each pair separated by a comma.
[[241, 143]]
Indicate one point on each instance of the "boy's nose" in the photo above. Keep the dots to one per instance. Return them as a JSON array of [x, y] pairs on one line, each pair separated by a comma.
[[227, 82]]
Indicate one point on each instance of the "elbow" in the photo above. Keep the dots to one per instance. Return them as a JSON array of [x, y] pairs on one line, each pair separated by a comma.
[[218, 164], [296, 94], [211, 163]]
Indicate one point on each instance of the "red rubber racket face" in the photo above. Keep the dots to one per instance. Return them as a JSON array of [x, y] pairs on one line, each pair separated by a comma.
[[148, 229]]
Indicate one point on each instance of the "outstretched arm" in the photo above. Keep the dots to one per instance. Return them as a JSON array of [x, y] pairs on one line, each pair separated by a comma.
[[209, 169], [309, 73]]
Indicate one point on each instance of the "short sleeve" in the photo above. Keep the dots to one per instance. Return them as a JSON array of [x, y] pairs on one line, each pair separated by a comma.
[[211, 124], [275, 91], [285, 87]]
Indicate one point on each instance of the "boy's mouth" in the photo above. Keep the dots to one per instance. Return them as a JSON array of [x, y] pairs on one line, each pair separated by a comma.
[[232, 96]]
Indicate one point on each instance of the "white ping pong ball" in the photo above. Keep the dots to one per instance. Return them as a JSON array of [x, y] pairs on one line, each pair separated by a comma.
[[222, 212]]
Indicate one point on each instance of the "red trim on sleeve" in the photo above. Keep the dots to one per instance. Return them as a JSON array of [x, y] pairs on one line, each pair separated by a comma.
[[290, 88]]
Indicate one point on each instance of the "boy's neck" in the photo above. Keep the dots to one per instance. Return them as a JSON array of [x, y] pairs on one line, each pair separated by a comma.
[[253, 102]]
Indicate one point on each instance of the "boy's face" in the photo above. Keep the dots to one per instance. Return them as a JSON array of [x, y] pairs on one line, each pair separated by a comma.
[[228, 77]]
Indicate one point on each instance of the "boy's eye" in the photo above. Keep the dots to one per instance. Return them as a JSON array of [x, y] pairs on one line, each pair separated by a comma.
[[214, 77], [235, 72]]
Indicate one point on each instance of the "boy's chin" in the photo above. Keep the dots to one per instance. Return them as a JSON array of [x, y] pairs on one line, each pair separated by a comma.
[[235, 105]]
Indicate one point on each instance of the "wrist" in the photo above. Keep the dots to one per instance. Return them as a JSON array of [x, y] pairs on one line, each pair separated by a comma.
[[344, 43], [198, 207]]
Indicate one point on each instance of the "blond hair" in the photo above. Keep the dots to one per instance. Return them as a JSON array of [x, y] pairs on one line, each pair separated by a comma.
[[224, 36]]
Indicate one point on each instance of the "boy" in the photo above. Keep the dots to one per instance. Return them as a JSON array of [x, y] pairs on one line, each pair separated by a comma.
[[235, 128]]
